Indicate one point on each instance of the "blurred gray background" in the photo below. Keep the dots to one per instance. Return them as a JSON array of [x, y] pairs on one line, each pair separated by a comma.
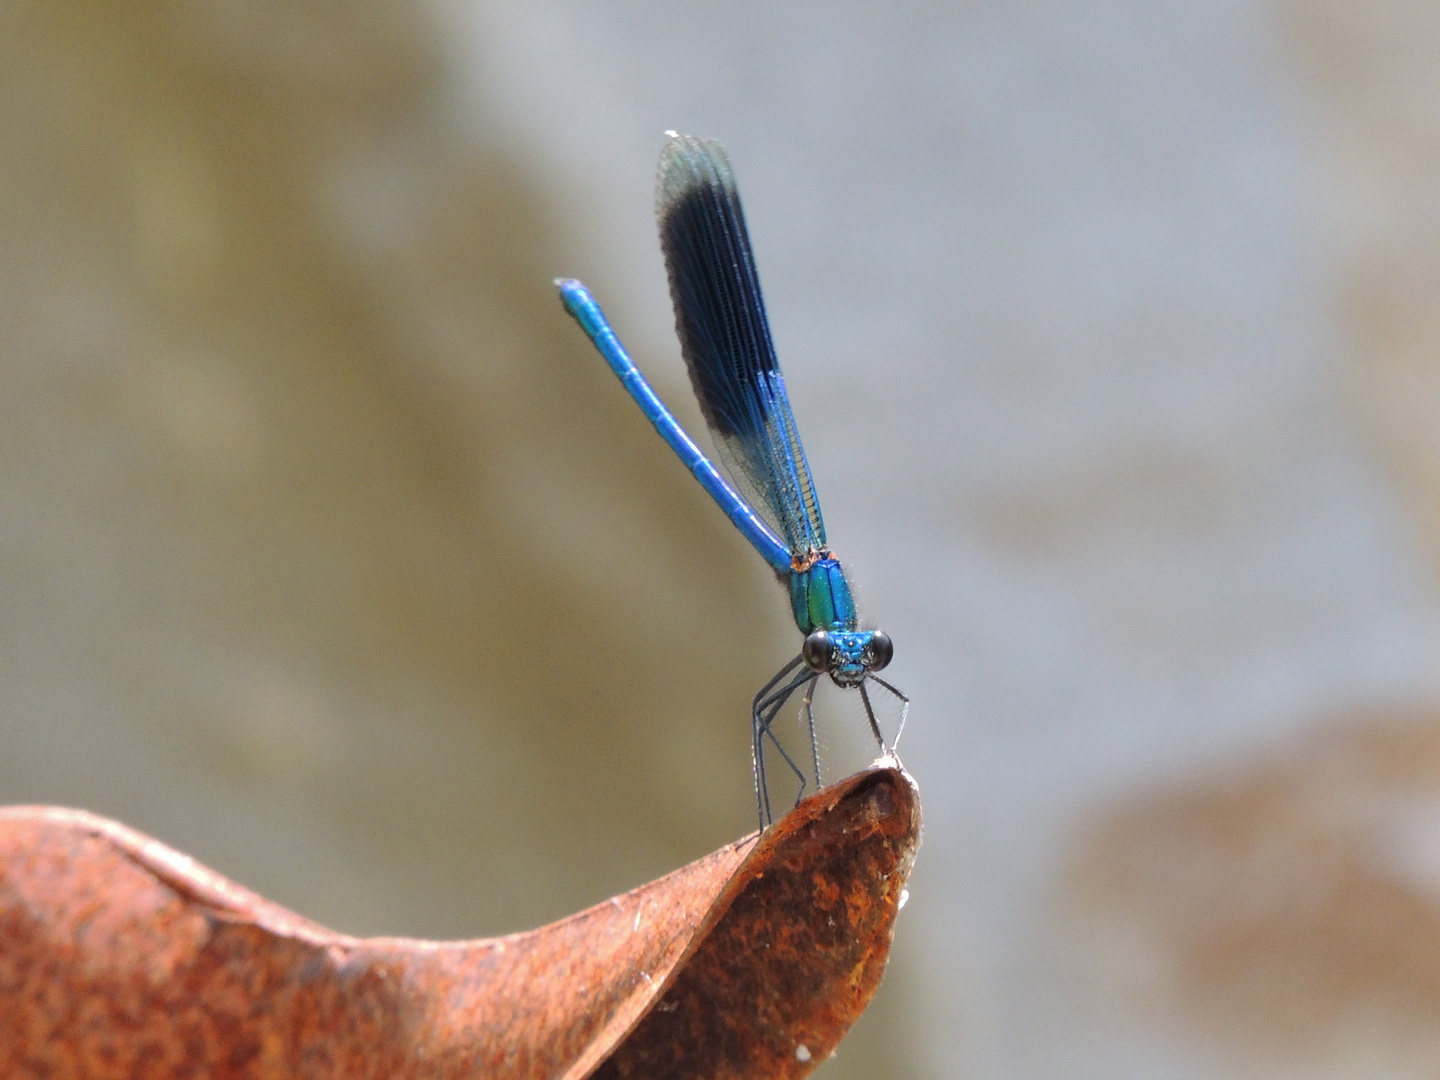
[[331, 554]]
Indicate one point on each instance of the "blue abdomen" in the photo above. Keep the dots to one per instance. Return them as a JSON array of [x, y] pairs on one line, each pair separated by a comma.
[[820, 597]]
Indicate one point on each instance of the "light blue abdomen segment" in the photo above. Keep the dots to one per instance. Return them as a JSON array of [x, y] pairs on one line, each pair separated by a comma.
[[587, 313], [821, 598]]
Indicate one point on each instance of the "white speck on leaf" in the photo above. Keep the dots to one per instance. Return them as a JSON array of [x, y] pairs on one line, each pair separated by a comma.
[[802, 1053], [904, 899]]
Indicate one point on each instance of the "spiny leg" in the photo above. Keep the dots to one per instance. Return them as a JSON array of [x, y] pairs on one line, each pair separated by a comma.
[[771, 708], [904, 709], [757, 746], [870, 715], [810, 720], [759, 728], [762, 715]]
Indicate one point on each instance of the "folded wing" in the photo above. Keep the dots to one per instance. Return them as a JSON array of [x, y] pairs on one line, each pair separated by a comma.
[[724, 335]]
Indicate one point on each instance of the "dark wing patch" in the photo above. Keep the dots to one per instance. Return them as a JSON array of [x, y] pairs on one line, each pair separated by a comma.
[[725, 337]]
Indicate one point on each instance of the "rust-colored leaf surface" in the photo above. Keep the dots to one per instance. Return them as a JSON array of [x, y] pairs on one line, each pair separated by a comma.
[[120, 957]]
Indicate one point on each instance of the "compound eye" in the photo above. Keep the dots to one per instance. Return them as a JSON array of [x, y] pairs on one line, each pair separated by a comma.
[[879, 652], [817, 650]]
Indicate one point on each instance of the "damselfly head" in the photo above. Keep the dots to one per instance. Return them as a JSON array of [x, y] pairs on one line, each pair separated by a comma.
[[847, 656]]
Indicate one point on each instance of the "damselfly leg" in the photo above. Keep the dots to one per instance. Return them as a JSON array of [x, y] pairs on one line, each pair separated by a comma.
[[766, 706]]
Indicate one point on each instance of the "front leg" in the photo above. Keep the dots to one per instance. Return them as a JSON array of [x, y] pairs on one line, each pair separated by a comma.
[[768, 702], [904, 712], [810, 721]]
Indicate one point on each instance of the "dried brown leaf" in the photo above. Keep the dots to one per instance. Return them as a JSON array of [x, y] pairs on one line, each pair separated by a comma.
[[120, 957]]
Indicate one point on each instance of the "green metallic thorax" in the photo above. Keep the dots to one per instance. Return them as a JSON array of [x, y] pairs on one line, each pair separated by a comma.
[[820, 597]]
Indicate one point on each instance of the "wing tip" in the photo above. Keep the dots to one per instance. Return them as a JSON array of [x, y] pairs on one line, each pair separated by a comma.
[[689, 163]]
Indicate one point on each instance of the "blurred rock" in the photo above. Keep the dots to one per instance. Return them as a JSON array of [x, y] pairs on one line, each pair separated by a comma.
[[1290, 909]]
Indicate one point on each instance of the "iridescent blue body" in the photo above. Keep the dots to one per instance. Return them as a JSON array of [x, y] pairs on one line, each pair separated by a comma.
[[820, 597], [725, 338]]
